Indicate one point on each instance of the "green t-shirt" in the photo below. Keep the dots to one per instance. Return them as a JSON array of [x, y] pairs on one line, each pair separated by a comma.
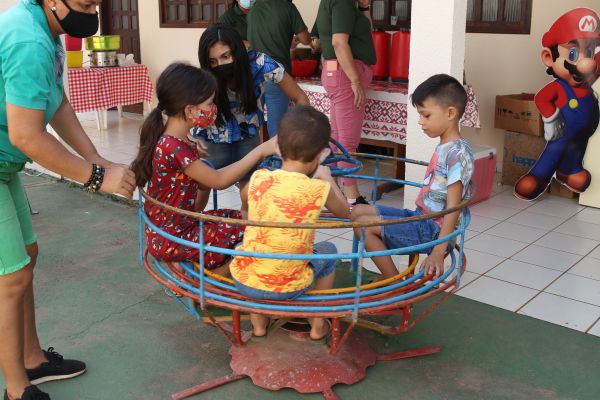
[[272, 25], [31, 69], [342, 16], [235, 18]]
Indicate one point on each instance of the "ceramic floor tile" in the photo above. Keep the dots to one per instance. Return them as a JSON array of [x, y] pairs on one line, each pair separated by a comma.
[[497, 293], [466, 278], [541, 221], [479, 262], [589, 214], [595, 253], [322, 236], [555, 208], [547, 257], [562, 311], [499, 188], [346, 233], [470, 234], [579, 228], [494, 245], [342, 245], [595, 330], [481, 224], [524, 274], [588, 267], [492, 211], [577, 288], [521, 233], [570, 244], [507, 199]]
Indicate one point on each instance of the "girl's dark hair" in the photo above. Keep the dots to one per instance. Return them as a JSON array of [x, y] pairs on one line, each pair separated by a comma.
[[244, 81], [303, 133], [178, 86]]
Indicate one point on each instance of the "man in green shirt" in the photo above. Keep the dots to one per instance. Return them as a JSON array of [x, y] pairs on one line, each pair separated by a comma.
[[235, 17], [274, 39]]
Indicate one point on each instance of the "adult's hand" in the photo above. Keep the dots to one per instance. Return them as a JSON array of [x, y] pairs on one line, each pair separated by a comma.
[[359, 94], [103, 162], [119, 179]]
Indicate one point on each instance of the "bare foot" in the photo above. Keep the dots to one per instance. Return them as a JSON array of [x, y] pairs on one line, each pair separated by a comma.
[[260, 323], [319, 328]]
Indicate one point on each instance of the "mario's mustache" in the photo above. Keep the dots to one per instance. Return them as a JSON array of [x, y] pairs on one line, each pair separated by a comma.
[[578, 76]]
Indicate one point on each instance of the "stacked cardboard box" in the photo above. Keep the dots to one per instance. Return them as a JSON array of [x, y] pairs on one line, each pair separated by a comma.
[[524, 138]]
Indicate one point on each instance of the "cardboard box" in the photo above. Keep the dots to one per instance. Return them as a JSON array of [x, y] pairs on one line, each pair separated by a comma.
[[521, 151], [518, 113], [558, 189]]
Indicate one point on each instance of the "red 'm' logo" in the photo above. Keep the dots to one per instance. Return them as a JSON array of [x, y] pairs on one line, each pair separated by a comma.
[[588, 24]]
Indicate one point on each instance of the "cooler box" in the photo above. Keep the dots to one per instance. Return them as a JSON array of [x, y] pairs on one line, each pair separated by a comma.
[[485, 171]]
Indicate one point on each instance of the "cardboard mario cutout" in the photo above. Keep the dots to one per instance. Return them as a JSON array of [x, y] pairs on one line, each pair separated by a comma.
[[569, 106]]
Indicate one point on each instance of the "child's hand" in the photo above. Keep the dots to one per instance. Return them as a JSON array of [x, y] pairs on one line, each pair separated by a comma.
[[434, 264], [202, 149], [323, 172], [269, 147]]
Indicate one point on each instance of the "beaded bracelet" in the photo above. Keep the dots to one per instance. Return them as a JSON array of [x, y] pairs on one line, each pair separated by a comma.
[[93, 184]]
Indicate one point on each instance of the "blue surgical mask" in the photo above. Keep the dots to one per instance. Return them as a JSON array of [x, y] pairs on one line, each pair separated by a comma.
[[247, 4]]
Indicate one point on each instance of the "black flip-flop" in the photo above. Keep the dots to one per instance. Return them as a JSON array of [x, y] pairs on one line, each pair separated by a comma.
[[272, 325], [323, 339]]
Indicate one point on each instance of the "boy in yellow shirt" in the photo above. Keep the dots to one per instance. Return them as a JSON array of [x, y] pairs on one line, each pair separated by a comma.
[[296, 193]]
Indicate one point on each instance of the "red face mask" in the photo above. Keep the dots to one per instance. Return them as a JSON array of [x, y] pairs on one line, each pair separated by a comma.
[[206, 117]]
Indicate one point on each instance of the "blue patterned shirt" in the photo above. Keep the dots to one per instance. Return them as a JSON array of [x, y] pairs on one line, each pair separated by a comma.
[[264, 69]]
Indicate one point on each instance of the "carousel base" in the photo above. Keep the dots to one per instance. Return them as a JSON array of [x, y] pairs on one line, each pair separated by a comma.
[[286, 361]]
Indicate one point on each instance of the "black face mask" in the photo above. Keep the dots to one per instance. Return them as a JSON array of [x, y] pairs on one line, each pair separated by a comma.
[[77, 24], [224, 71]]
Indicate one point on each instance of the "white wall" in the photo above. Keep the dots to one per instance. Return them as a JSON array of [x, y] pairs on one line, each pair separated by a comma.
[[162, 46], [494, 63], [503, 64]]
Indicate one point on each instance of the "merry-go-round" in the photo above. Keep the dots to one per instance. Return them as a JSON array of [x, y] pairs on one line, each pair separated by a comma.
[[287, 358]]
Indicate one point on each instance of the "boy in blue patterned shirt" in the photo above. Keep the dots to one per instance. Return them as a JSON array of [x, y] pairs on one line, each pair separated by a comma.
[[441, 102]]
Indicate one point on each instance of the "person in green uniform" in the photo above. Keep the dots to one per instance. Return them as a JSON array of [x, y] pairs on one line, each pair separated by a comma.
[[344, 28], [31, 96], [235, 17], [275, 39]]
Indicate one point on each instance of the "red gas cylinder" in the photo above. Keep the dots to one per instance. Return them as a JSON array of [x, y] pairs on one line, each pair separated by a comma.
[[72, 43], [381, 41], [399, 58]]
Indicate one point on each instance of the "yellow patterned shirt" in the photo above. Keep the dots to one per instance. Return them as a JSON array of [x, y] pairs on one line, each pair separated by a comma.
[[280, 196]]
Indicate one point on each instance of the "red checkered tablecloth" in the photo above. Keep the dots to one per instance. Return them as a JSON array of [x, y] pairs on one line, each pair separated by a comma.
[[386, 113], [93, 89]]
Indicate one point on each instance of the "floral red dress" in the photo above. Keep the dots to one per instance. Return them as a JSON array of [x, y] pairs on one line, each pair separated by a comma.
[[170, 185]]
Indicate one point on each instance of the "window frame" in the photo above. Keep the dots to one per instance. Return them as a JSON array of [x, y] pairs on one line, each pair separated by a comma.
[[163, 23], [523, 27]]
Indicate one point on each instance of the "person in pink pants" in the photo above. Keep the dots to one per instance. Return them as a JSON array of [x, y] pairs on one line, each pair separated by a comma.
[[348, 51]]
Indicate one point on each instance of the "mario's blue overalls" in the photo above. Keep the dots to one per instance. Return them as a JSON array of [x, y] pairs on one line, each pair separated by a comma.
[[565, 154]]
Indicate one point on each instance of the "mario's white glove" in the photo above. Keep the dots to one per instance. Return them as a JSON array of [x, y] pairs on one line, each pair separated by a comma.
[[554, 126]]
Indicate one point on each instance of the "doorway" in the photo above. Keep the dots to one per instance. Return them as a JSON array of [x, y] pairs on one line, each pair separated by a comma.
[[120, 17]]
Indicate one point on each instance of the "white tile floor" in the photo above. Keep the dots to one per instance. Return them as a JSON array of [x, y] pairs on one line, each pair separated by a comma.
[[540, 259]]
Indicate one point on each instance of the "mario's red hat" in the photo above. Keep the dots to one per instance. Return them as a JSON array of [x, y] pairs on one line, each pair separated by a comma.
[[578, 23]]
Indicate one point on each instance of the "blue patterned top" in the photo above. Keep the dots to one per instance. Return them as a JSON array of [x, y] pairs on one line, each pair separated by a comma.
[[264, 69], [450, 163]]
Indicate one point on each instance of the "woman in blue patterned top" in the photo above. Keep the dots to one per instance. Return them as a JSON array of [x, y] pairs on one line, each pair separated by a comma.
[[242, 75]]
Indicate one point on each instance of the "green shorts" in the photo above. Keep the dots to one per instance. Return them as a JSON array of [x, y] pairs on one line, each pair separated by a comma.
[[16, 229]]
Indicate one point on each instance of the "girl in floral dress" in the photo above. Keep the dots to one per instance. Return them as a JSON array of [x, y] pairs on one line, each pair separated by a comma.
[[171, 166]]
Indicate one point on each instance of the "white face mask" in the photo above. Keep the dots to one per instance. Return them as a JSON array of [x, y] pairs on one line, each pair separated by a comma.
[[247, 4]]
